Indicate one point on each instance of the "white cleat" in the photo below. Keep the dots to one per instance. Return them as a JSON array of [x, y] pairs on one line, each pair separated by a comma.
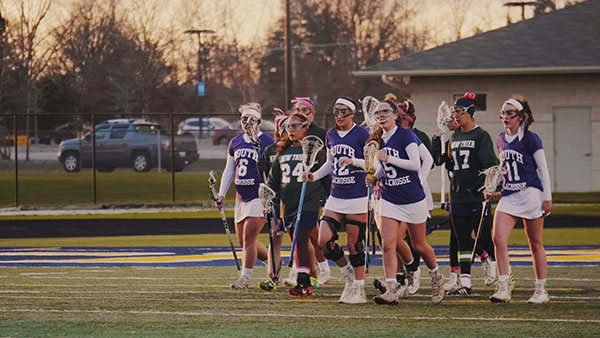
[[414, 281], [356, 296], [502, 294], [324, 277], [437, 287], [453, 283], [540, 296], [490, 271], [290, 282], [240, 283], [402, 291], [348, 289]]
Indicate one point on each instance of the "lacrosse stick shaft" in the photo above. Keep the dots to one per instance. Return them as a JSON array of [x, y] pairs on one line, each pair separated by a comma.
[[443, 177], [226, 226], [297, 224], [368, 230], [271, 222], [485, 203]]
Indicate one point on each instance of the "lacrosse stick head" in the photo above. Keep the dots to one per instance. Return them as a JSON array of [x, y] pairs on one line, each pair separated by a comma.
[[444, 117], [266, 195], [369, 151], [310, 148], [212, 184], [369, 106], [493, 177]]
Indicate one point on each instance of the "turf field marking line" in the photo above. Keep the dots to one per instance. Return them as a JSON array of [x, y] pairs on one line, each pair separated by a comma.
[[42, 273], [206, 313]]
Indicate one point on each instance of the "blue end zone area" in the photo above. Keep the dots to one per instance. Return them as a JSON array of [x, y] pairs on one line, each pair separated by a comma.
[[222, 257]]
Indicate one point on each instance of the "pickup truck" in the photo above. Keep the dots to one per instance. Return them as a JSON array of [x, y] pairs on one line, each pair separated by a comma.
[[127, 143]]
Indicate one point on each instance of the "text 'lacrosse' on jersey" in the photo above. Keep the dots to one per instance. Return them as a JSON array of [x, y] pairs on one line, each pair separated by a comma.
[[245, 156], [347, 182]]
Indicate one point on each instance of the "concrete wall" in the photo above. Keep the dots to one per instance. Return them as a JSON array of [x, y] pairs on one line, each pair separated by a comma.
[[544, 92]]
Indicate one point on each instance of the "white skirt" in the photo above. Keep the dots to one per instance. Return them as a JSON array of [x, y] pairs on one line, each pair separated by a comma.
[[524, 204], [244, 210], [347, 207], [413, 213]]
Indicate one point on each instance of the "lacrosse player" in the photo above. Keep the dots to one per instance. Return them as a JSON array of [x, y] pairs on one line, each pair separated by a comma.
[[526, 194], [347, 203], [264, 166], [286, 180], [402, 200], [304, 106], [472, 151], [249, 219]]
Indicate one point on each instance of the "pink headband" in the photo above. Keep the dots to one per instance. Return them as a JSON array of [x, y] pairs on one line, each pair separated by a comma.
[[305, 101], [406, 116]]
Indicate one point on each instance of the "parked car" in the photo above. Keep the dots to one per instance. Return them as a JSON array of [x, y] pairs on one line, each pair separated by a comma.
[[191, 126], [124, 143], [222, 136]]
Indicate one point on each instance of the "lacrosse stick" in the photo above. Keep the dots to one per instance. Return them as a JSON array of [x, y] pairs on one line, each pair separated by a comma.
[[267, 195], [212, 182], [369, 105], [443, 118], [310, 148], [369, 151], [493, 177]]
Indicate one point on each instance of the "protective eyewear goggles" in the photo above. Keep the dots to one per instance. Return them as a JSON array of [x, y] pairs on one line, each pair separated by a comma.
[[343, 112], [295, 126], [511, 114], [385, 112], [460, 110]]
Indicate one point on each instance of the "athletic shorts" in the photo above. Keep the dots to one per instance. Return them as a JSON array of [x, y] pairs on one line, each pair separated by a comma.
[[251, 208], [413, 213], [308, 220], [525, 204], [347, 207]]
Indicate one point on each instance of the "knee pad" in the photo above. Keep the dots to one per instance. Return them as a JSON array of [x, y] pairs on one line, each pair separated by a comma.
[[333, 251], [333, 224], [357, 259]]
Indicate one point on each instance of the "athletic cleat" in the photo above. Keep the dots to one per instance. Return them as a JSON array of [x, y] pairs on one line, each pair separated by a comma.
[[462, 291], [241, 283], [402, 291], [502, 294], [314, 283], [299, 291], [290, 282], [356, 296], [540, 296], [453, 282], [389, 297], [437, 287], [490, 271], [348, 289], [268, 285], [414, 281], [379, 285], [324, 277]]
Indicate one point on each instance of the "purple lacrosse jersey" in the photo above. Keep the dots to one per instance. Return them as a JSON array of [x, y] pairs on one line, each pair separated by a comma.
[[247, 177], [400, 186], [347, 182], [517, 158]]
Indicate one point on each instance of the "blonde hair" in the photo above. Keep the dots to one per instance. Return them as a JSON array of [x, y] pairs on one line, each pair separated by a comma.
[[250, 105]]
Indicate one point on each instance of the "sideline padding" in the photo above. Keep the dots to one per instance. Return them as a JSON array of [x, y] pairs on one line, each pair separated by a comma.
[[221, 256]]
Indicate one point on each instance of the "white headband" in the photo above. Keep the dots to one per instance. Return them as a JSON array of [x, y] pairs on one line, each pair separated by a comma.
[[515, 103], [346, 102], [251, 112]]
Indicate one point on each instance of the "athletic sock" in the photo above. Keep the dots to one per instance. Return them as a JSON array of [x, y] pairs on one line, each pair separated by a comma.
[[483, 256], [434, 269], [502, 278], [390, 280], [359, 282], [346, 269], [455, 269], [541, 283], [465, 280], [324, 265], [401, 278], [247, 272]]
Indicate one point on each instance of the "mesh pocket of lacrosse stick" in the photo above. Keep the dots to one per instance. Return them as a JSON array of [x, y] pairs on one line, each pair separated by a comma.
[[444, 117], [310, 148], [370, 150], [266, 195], [369, 105], [493, 177]]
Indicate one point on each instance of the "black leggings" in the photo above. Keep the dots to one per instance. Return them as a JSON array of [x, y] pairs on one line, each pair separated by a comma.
[[465, 227]]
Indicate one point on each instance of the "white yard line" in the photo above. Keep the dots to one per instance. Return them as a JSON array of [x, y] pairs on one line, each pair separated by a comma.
[[287, 315]]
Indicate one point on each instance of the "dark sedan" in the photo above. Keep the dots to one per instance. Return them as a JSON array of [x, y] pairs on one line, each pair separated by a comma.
[[222, 136]]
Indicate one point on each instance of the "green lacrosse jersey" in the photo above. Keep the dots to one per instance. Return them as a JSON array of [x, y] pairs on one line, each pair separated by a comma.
[[317, 131], [286, 180], [471, 152]]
